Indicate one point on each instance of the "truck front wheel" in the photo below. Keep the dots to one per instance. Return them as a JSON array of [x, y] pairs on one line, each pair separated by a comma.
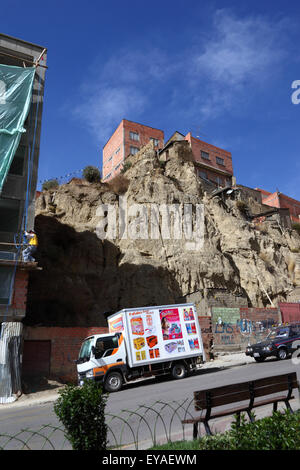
[[179, 371], [113, 382]]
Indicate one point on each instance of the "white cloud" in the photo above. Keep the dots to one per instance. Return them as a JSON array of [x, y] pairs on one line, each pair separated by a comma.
[[120, 88], [240, 49], [105, 106], [239, 55], [218, 74]]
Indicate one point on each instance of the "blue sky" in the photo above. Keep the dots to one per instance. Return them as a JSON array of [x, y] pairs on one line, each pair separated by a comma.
[[220, 69]]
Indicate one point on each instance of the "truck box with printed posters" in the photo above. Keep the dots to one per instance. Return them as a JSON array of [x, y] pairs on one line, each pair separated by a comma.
[[161, 333], [143, 342]]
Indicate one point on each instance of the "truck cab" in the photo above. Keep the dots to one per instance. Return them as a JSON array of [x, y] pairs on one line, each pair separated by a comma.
[[102, 358]]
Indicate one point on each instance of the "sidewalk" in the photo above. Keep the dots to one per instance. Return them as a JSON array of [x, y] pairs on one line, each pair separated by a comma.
[[229, 360], [48, 396]]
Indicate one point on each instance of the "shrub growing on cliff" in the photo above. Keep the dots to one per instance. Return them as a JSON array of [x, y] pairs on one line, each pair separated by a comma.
[[242, 207], [91, 174], [119, 184], [81, 411], [126, 167], [50, 184], [296, 226]]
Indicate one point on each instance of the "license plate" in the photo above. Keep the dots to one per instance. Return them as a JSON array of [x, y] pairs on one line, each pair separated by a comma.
[[256, 354]]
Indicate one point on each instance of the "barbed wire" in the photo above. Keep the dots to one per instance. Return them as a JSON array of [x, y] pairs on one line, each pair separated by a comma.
[[67, 175]]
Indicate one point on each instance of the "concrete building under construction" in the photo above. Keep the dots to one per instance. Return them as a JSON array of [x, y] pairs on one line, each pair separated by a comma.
[[17, 209]]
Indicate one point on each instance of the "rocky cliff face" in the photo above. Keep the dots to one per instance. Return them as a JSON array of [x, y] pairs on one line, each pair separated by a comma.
[[85, 276]]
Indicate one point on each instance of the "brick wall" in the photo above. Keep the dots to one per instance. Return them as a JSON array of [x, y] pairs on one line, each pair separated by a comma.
[[234, 328], [293, 206], [282, 201], [65, 346], [112, 156], [145, 134], [207, 336], [20, 290], [118, 146], [214, 153]]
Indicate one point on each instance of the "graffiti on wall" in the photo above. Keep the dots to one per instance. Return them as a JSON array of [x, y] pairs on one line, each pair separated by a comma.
[[230, 329]]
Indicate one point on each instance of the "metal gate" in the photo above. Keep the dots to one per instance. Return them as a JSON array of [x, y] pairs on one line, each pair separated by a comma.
[[36, 358], [290, 312]]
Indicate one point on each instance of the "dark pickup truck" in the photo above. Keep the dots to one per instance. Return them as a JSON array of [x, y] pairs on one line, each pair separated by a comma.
[[281, 342]]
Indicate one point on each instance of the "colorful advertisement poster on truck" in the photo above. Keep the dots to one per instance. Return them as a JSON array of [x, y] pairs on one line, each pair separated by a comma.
[[157, 334]]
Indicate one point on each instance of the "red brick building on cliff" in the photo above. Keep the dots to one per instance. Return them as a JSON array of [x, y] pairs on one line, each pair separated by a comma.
[[212, 163], [277, 199]]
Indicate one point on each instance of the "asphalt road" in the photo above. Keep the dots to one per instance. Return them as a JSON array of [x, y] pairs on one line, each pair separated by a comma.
[[140, 412]]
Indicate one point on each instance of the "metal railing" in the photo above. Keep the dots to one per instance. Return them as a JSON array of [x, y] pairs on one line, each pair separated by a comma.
[[142, 428]]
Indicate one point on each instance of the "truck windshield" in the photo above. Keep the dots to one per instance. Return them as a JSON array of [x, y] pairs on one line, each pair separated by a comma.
[[85, 350]]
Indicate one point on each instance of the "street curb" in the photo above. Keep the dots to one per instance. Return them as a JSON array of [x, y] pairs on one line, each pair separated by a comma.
[[19, 403]]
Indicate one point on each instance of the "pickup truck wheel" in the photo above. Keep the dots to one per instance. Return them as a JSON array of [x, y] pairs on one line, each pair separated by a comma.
[[113, 382], [179, 371], [282, 354]]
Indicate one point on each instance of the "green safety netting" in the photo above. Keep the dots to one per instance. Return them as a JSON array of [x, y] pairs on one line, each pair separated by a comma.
[[15, 97]]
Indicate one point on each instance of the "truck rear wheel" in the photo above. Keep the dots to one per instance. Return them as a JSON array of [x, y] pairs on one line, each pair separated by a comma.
[[113, 382], [179, 371]]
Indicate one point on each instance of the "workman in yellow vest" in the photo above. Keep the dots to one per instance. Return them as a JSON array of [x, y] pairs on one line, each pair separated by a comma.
[[32, 246]]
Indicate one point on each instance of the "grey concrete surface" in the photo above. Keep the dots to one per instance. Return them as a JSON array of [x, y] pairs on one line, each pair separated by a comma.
[[48, 396]]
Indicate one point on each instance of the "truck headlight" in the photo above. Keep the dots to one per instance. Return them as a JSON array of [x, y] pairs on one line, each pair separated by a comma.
[[89, 373], [267, 348], [249, 349]]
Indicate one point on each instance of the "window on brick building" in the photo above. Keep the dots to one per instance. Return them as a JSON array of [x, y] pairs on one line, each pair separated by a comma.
[[6, 284], [220, 161], [203, 175], [134, 136], [155, 141], [219, 180], [205, 155], [134, 150]]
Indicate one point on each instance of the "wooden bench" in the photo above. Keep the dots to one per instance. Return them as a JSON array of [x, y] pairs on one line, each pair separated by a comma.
[[206, 400]]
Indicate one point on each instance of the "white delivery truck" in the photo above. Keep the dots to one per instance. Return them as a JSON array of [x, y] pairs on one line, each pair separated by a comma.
[[143, 342]]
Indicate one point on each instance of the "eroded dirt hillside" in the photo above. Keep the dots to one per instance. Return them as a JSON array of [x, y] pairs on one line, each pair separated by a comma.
[[84, 275]]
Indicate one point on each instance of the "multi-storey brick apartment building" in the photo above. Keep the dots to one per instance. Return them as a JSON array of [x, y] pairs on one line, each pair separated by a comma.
[[277, 199], [128, 139], [211, 163], [17, 203]]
